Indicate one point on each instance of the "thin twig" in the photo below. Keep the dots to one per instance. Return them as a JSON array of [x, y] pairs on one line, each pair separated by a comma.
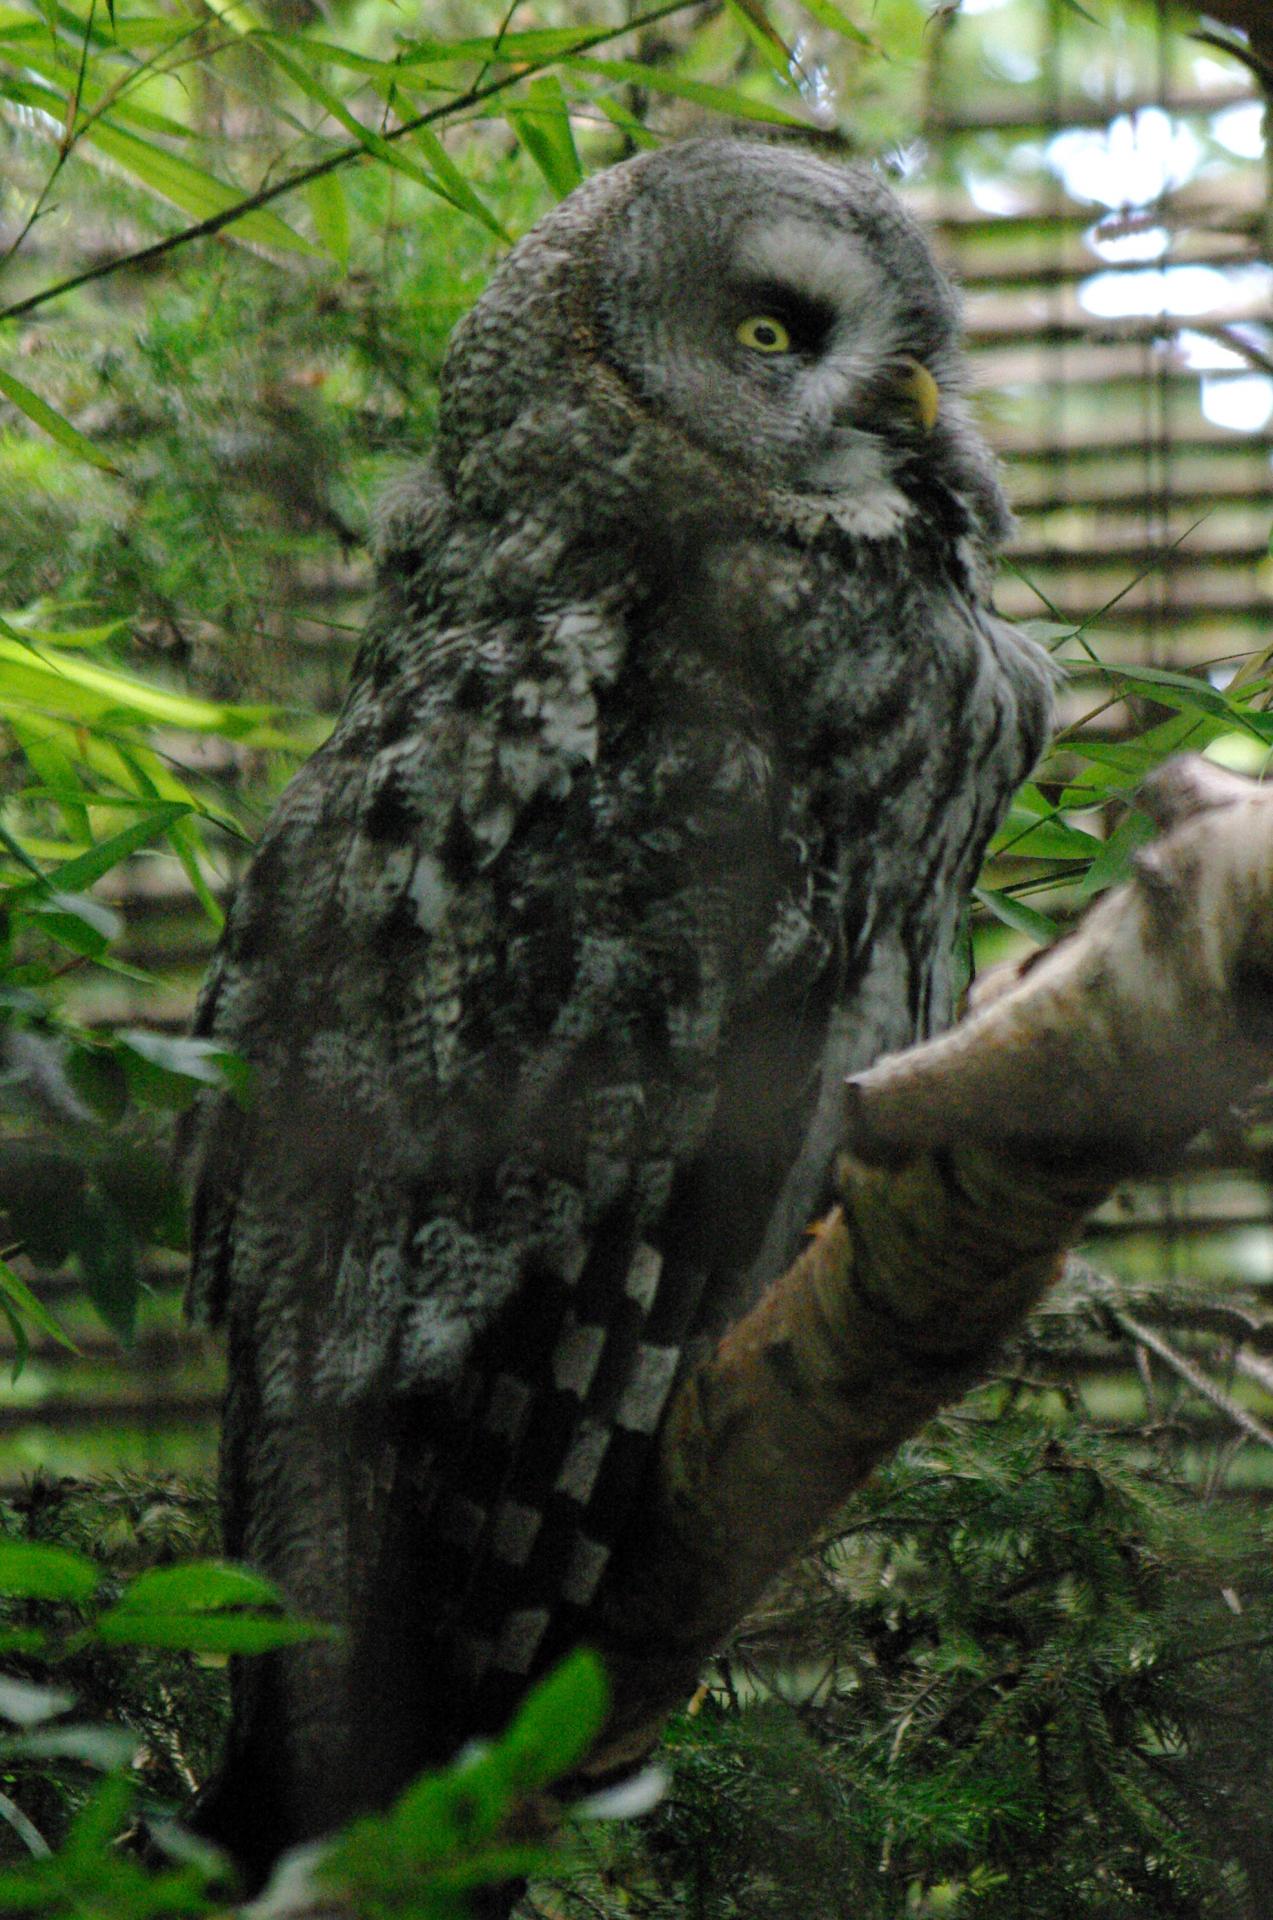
[[1194, 1376], [343, 156]]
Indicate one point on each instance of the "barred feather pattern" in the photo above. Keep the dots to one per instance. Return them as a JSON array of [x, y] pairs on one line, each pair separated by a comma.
[[660, 783]]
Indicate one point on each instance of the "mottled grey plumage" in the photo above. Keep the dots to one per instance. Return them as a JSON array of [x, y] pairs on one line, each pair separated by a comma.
[[676, 738]]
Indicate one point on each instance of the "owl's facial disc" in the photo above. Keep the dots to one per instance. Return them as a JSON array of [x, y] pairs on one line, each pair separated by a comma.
[[843, 332], [787, 317], [784, 343]]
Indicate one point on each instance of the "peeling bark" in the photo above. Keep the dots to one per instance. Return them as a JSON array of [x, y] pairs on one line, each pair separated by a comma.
[[973, 1162]]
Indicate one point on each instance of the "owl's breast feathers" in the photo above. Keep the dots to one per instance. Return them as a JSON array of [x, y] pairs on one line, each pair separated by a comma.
[[549, 966]]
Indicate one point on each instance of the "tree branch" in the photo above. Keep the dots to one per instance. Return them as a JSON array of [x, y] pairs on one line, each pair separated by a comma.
[[974, 1161], [1250, 17]]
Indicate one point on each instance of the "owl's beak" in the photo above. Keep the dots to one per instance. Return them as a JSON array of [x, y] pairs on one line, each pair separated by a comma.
[[920, 390]]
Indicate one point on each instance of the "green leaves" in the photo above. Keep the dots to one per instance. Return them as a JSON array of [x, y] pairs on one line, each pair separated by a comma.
[[1014, 913], [828, 15], [556, 1724], [54, 893], [1072, 832], [45, 1573], [101, 87], [103, 793], [329, 210], [195, 191], [93, 1878], [165, 1070], [204, 1606], [85, 730], [449, 1833], [51, 422], [701, 93], [19, 1306], [542, 124], [97, 1196], [201, 1606], [45, 671], [451, 1827]]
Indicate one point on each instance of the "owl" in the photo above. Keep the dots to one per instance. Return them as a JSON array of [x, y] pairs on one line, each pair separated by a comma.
[[678, 731]]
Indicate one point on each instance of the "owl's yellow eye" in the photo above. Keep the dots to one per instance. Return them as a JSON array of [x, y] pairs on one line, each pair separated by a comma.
[[764, 334]]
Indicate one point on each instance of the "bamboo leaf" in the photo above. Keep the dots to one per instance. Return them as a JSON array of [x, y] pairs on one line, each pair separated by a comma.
[[197, 193], [52, 422], [452, 183], [151, 31], [1015, 914], [1028, 837], [724, 100], [168, 1069], [537, 43], [828, 15], [20, 1299], [73, 876], [329, 210], [51, 100], [73, 920], [760, 30], [627, 123], [1188, 693], [316, 90], [542, 124], [1116, 765], [446, 181], [88, 691], [186, 842], [52, 764], [1113, 862], [21, 1343], [79, 637]]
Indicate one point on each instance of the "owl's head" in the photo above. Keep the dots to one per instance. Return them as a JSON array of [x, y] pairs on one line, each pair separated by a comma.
[[733, 310]]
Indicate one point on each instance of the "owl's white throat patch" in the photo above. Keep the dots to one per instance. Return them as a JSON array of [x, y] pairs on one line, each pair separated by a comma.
[[874, 516], [852, 482]]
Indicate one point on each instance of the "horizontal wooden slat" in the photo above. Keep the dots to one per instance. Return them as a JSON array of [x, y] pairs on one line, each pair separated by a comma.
[[1089, 594], [140, 1409], [1124, 371], [1077, 260], [1201, 203], [1097, 439], [1060, 319], [1125, 494], [1018, 114]]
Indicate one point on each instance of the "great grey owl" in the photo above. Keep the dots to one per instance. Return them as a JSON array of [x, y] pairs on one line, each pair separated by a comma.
[[676, 737]]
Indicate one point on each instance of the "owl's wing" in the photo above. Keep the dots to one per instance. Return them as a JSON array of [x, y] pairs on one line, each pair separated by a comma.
[[481, 965]]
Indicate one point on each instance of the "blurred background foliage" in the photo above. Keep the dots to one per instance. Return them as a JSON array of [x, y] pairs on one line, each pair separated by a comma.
[[1030, 1672]]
